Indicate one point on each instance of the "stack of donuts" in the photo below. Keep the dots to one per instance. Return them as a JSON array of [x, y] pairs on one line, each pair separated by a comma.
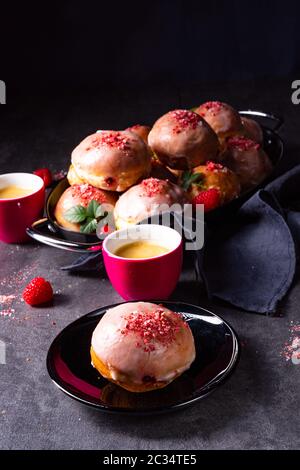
[[206, 156]]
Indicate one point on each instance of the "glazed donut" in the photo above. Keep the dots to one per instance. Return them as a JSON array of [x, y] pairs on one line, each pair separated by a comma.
[[142, 346], [141, 130], [221, 117], [80, 194], [248, 160], [143, 200], [72, 176], [214, 176], [252, 130], [112, 160], [181, 139]]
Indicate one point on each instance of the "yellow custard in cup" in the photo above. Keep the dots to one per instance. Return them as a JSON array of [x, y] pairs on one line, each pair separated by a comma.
[[12, 191], [141, 249]]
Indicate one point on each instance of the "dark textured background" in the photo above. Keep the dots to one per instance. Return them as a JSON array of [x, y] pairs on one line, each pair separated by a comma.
[[247, 62], [79, 45]]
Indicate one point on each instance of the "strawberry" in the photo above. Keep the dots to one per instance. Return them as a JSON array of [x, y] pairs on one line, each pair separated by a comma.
[[45, 174], [38, 291], [210, 198]]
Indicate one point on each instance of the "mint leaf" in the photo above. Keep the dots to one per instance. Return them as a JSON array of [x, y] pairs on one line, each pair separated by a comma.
[[189, 178], [92, 208], [75, 214], [89, 226]]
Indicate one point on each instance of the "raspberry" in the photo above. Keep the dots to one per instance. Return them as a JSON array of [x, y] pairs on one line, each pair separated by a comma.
[[38, 291], [45, 174], [209, 198]]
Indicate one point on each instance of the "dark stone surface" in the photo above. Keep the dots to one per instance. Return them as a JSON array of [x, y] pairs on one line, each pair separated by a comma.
[[258, 408]]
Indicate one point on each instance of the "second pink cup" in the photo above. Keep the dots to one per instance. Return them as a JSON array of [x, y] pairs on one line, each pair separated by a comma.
[[144, 278]]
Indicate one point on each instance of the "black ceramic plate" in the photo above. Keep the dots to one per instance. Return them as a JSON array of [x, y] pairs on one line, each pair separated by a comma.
[[217, 353]]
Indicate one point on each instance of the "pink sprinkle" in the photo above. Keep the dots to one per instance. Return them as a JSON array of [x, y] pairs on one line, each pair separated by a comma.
[[114, 139], [185, 120], [152, 326], [6, 299], [212, 166], [291, 348], [85, 192], [242, 143], [7, 312], [295, 328], [216, 105], [213, 107], [153, 186]]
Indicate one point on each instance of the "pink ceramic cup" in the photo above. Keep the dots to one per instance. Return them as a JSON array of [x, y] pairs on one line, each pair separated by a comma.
[[19, 213], [144, 278]]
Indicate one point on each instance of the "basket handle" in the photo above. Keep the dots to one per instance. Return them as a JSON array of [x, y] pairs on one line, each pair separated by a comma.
[[278, 121], [41, 232]]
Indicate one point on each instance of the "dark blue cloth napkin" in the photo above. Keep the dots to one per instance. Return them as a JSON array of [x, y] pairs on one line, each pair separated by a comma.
[[250, 260]]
